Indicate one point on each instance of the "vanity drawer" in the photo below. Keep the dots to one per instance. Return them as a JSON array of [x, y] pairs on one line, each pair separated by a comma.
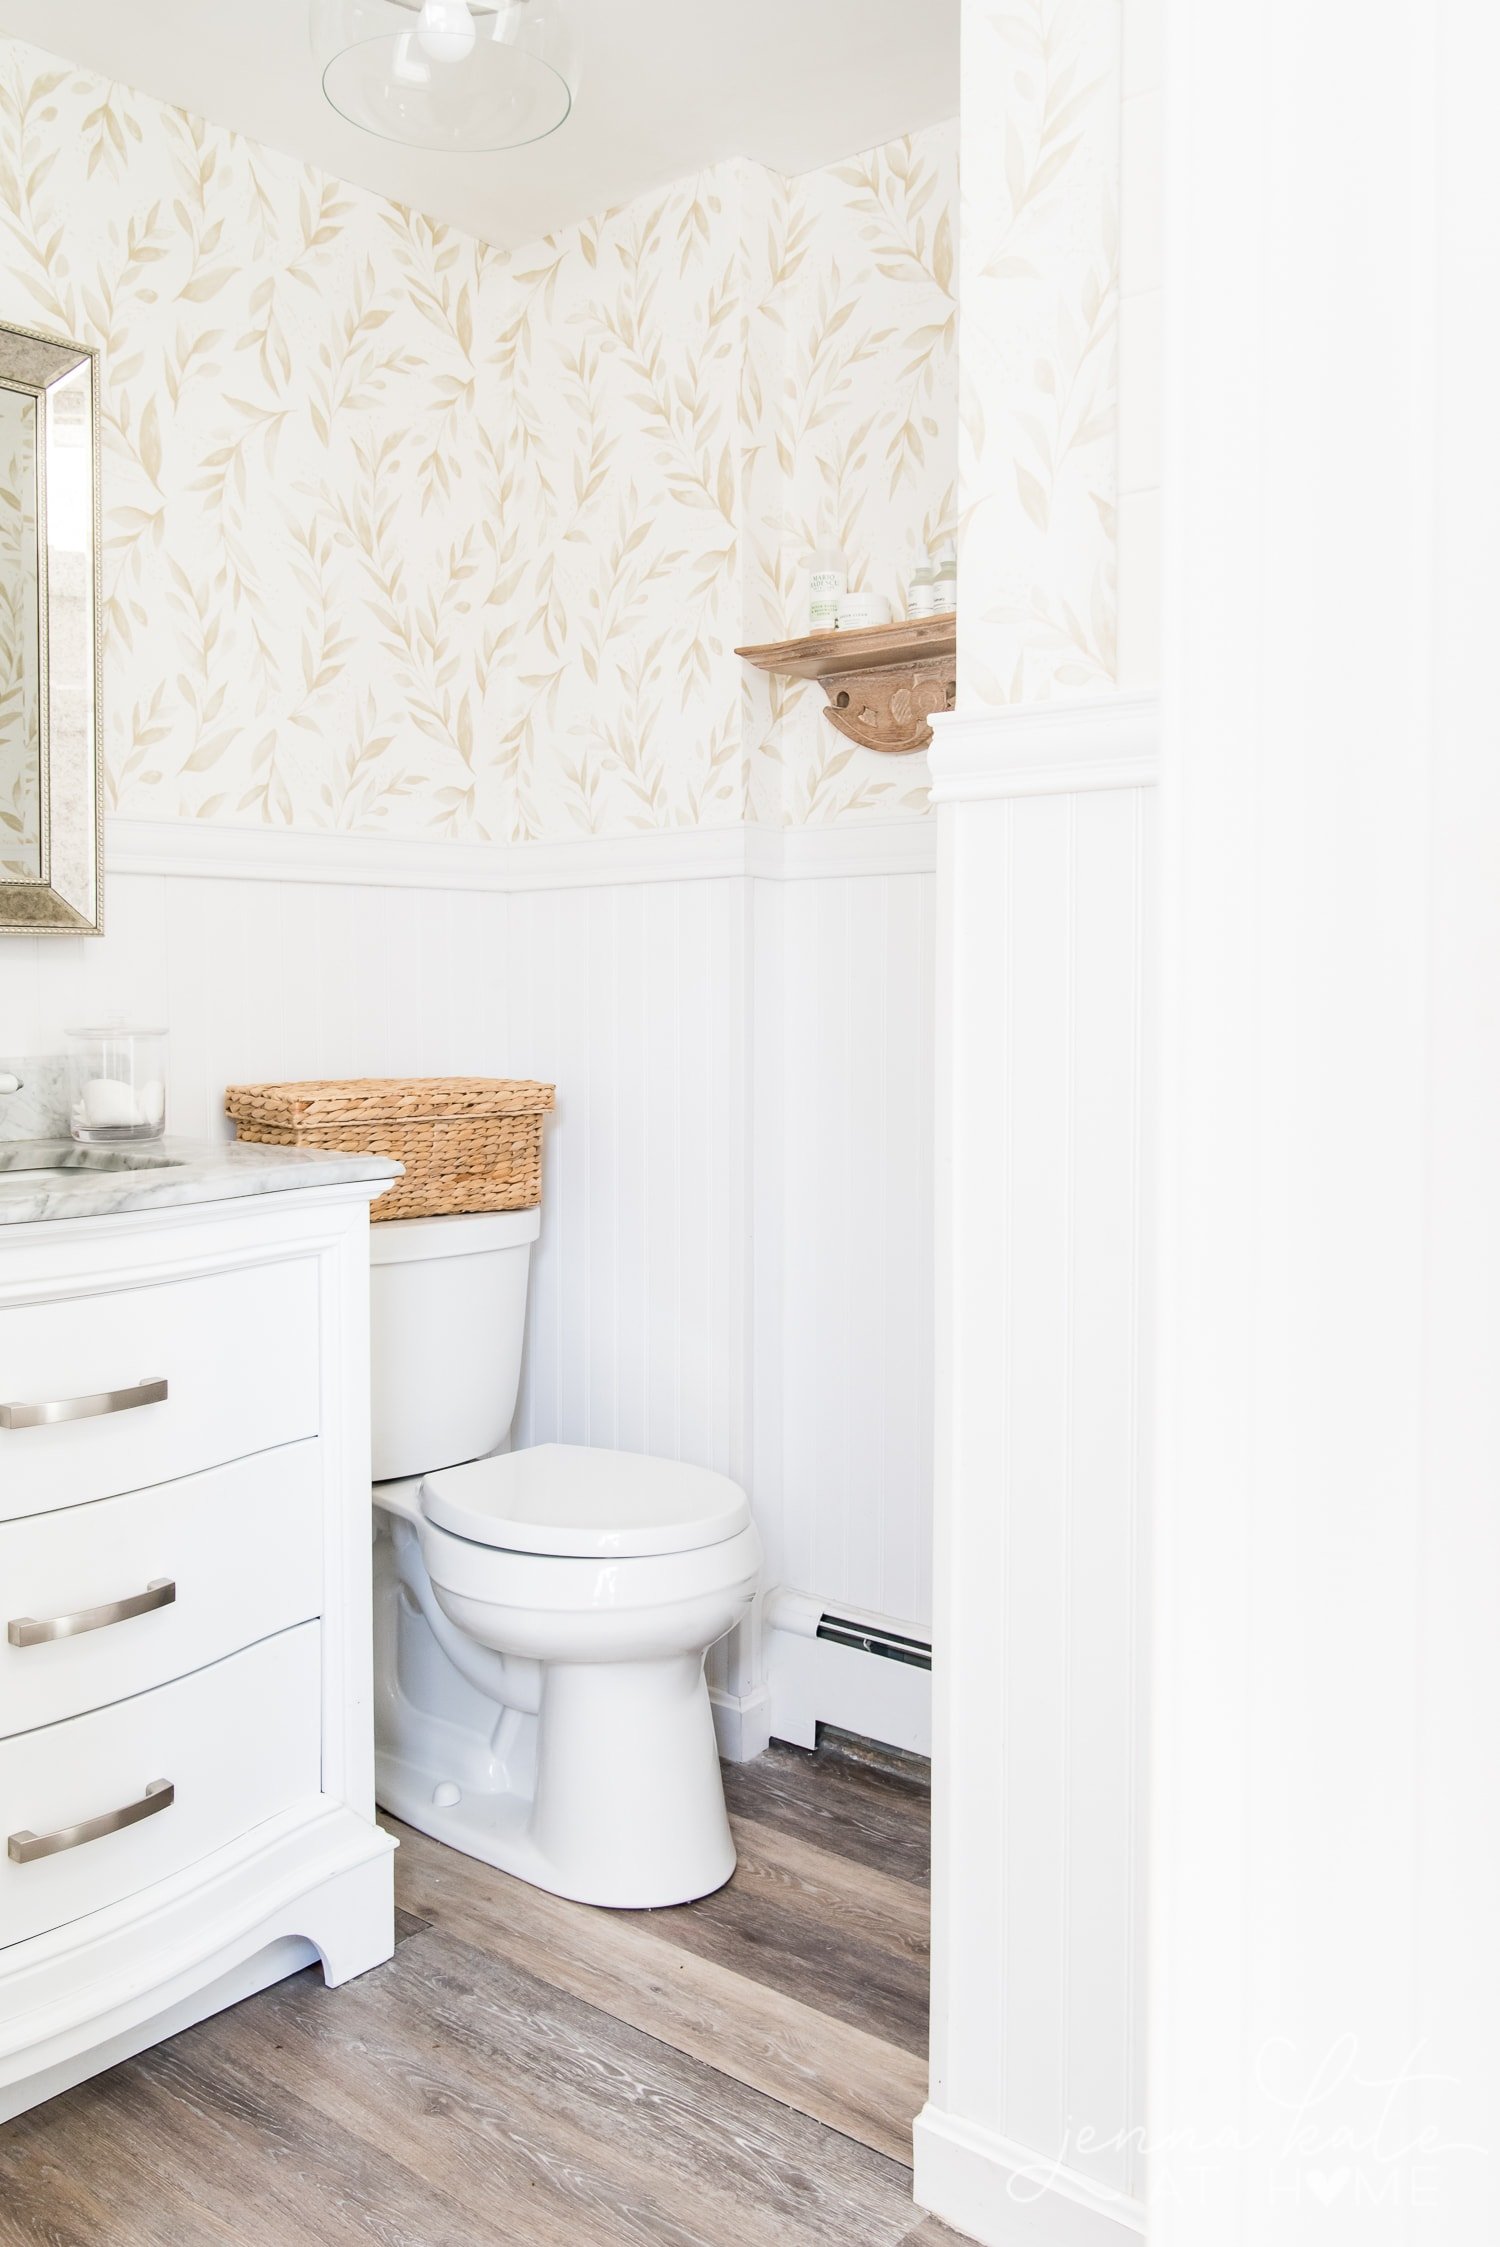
[[101, 1601], [237, 1351], [234, 1743]]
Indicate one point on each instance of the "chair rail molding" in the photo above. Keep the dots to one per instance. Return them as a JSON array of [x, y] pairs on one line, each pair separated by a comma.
[[1065, 748], [743, 851]]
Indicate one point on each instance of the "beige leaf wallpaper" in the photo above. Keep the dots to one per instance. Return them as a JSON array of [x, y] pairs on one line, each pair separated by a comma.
[[851, 414], [1040, 275], [404, 535]]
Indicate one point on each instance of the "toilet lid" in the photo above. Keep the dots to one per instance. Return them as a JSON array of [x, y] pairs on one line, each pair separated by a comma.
[[580, 1503]]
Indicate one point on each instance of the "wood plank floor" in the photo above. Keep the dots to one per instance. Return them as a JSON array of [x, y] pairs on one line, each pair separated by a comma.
[[741, 2072]]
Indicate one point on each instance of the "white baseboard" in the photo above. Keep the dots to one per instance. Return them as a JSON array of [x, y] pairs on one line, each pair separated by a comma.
[[1004, 2196], [742, 1723], [813, 1681]]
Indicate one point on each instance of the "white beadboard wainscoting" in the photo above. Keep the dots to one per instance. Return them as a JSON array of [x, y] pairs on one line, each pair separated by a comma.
[[1046, 977], [734, 1265], [844, 1195], [842, 1290]]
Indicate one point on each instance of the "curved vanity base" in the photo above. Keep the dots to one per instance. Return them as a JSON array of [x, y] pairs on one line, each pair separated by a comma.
[[272, 1964], [308, 1885], [189, 1803]]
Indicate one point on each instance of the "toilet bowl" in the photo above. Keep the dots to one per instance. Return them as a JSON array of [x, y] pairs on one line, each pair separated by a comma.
[[541, 1616]]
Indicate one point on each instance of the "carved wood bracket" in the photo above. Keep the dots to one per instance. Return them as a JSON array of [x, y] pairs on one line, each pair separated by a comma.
[[889, 708], [883, 685]]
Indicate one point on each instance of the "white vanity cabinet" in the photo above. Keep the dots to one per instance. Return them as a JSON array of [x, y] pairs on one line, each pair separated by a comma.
[[186, 1785]]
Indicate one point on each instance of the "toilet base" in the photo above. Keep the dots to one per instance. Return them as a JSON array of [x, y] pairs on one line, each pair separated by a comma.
[[610, 1794], [496, 1830]]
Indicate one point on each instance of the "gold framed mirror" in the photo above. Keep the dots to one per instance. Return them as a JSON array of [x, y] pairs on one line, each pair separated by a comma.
[[49, 635]]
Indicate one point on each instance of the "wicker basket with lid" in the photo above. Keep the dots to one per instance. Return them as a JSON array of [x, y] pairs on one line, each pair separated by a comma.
[[468, 1143]]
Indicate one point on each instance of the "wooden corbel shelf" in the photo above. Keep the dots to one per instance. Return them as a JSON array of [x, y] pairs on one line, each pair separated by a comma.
[[882, 683]]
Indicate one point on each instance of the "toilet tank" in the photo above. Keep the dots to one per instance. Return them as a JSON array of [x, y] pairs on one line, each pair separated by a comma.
[[447, 1320]]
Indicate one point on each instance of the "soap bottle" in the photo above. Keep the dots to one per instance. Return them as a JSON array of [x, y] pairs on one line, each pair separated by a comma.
[[829, 582], [921, 592], [946, 584]]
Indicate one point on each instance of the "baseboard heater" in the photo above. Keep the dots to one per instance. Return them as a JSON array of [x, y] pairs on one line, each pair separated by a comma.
[[860, 1673], [866, 1638]]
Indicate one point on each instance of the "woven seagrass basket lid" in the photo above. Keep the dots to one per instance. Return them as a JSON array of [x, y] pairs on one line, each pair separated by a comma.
[[364, 1100]]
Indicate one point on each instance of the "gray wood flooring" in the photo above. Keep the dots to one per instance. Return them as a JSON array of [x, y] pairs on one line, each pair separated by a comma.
[[741, 2072]]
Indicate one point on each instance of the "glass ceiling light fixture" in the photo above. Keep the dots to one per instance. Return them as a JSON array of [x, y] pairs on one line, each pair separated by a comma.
[[468, 76]]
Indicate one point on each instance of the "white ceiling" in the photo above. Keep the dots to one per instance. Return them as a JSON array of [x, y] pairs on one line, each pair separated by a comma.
[[669, 86]]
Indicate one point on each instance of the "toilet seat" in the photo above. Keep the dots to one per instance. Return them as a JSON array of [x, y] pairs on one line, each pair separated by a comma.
[[570, 1502]]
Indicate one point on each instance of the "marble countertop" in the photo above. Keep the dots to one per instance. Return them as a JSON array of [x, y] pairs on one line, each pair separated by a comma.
[[161, 1174]]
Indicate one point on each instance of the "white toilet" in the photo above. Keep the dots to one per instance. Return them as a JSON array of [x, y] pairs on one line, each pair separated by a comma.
[[541, 1617]]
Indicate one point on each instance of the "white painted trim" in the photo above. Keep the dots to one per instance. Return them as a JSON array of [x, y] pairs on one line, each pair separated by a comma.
[[1047, 749], [865, 846], [1004, 2196], [188, 850], [742, 1723]]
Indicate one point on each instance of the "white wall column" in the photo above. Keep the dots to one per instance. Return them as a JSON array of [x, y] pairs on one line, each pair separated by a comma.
[[1326, 1935], [1045, 979]]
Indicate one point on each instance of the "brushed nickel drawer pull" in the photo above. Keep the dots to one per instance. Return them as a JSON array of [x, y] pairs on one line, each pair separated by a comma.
[[83, 1408], [25, 1848], [25, 1630]]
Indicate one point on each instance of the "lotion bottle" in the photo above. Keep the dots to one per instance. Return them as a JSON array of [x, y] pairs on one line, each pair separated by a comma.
[[829, 582], [946, 583]]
